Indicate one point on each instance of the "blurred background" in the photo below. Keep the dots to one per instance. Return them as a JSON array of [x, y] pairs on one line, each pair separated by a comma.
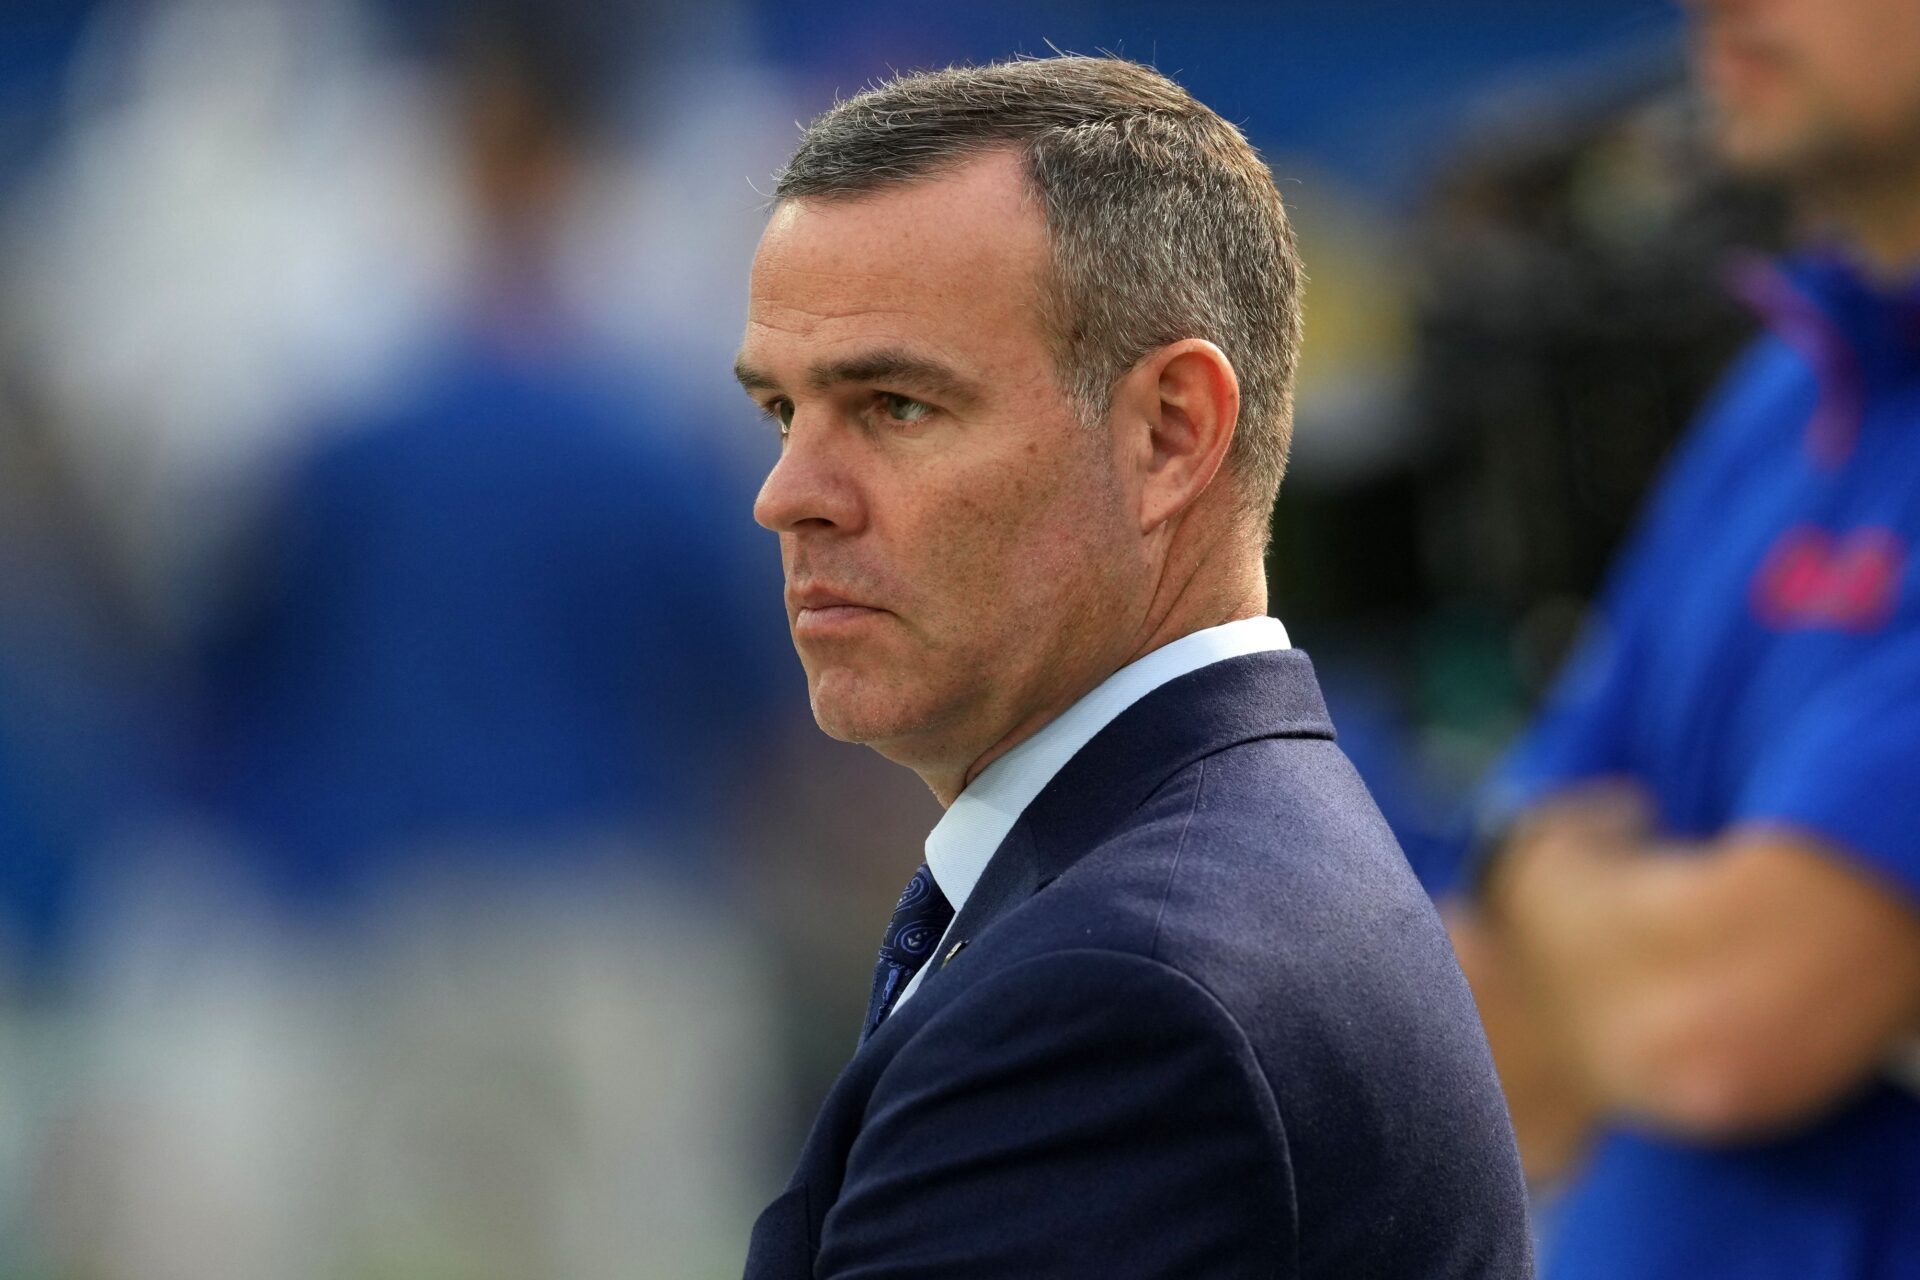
[[416, 858]]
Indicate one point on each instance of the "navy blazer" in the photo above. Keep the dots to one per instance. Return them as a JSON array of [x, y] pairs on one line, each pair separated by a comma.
[[1204, 1024]]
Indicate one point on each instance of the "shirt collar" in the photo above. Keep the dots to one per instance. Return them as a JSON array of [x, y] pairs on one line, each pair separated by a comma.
[[973, 827], [1854, 331], [1848, 333]]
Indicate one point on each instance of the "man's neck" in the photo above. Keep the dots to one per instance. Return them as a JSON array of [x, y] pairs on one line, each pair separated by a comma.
[[1192, 611]]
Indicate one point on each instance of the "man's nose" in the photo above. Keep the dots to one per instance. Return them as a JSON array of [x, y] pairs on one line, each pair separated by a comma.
[[811, 487]]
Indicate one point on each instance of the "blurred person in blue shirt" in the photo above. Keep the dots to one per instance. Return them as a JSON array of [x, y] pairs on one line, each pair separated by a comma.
[[1696, 937], [483, 714], [515, 603]]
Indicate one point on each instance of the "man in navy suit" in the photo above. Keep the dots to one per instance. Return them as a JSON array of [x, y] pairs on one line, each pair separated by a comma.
[[1165, 999]]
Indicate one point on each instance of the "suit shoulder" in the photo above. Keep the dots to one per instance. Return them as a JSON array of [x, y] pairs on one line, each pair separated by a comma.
[[1269, 826], [1265, 875], [1279, 827]]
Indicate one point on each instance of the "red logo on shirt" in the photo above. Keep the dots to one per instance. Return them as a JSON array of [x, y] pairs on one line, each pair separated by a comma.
[[1811, 578]]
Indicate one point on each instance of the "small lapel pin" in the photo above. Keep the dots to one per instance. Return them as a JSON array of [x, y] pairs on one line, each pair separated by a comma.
[[952, 951]]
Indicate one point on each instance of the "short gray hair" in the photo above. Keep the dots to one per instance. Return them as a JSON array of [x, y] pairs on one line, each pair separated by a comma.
[[1165, 223]]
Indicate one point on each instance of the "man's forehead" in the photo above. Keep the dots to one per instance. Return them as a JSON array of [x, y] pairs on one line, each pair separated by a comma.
[[963, 231]]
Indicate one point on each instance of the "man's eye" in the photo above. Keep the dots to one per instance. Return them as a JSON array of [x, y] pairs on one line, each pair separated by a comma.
[[780, 412], [903, 408]]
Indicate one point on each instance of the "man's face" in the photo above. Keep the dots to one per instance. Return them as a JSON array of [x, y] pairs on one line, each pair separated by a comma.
[[1805, 86], [957, 544]]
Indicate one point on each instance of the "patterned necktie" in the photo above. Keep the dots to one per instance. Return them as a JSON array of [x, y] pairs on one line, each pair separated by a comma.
[[919, 918]]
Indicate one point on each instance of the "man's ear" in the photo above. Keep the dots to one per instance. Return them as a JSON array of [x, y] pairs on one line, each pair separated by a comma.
[[1181, 403]]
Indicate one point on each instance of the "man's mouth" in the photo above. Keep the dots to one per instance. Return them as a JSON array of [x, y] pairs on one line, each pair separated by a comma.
[[821, 611]]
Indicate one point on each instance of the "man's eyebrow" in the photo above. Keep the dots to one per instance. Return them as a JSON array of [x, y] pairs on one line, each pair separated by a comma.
[[753, 379], [885, 365], [893, 365]]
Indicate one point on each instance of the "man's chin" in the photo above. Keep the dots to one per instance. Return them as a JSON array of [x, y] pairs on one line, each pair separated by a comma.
[[1775, 150], [844, 715], [851, 710], [838, 726], [1759, 157]]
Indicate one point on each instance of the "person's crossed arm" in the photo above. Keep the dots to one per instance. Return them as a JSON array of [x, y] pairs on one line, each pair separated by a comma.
[[1720, 990]]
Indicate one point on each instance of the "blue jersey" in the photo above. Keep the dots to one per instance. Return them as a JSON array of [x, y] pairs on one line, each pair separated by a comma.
[[506, 612], [1756, 659]]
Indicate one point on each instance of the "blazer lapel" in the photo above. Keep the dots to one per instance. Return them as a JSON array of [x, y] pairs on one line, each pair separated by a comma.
[[1012, 876]]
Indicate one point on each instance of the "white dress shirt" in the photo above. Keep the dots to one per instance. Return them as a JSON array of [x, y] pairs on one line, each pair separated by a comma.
[[963, 841]]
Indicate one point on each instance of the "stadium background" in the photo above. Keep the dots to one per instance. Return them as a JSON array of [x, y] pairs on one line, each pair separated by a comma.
[[415, 857]]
